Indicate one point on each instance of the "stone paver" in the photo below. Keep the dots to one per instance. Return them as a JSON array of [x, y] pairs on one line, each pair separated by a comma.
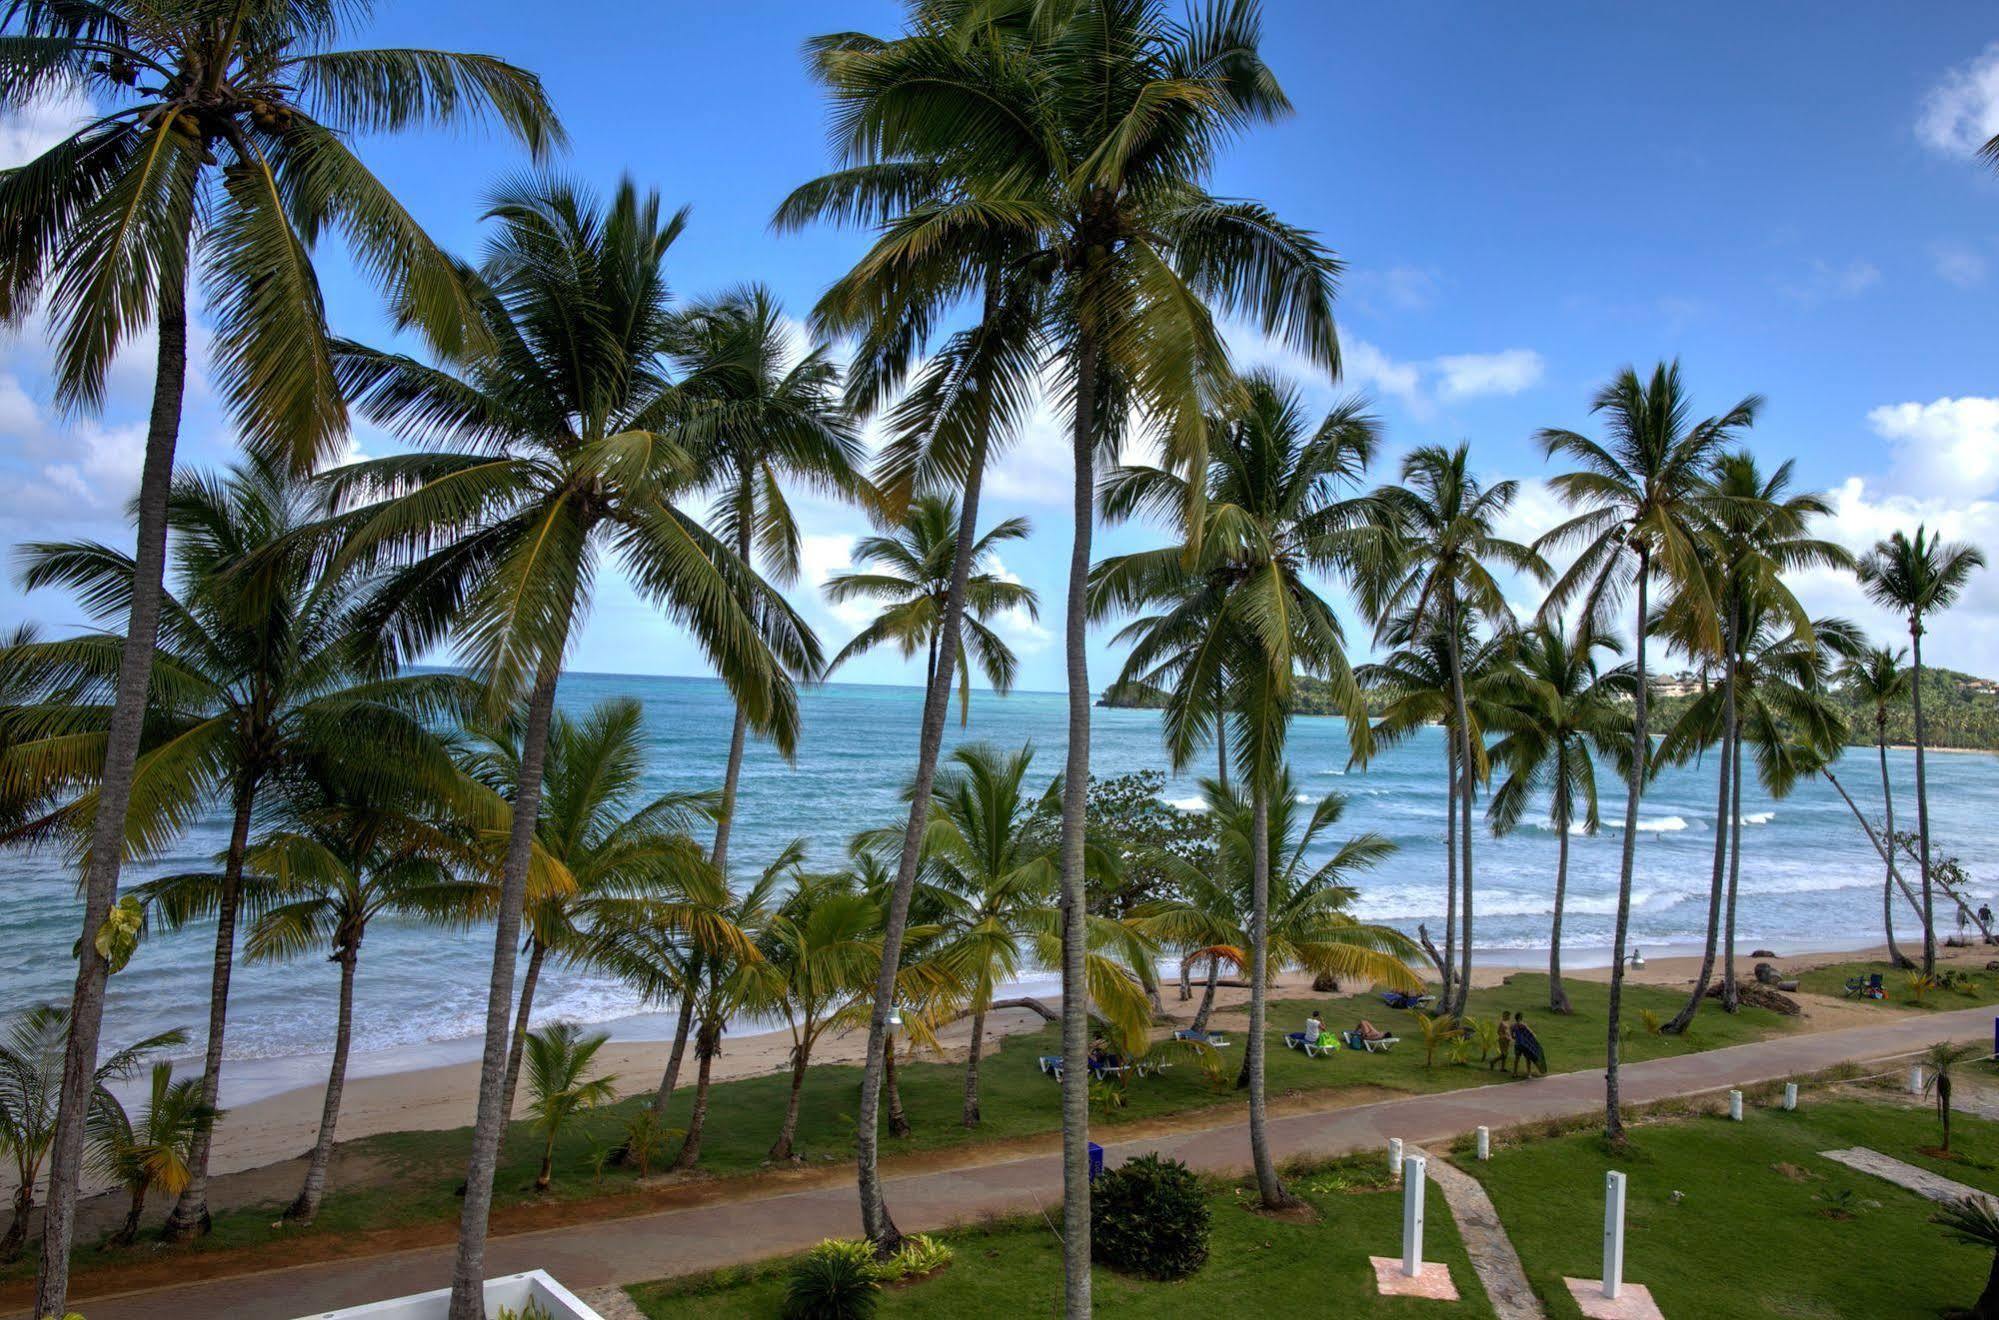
[[612, 1304], [1918, 1180], [1633, 1301], [1433, 1281], [1493, 1258], [707, 1237]]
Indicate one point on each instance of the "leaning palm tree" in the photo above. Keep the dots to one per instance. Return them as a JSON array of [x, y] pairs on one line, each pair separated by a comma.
[[155, 1151], [911, 572], [1557, 708], [259, 671], [1877, 678], [1238, 617], [759, 414], [31, 1076], [539, 456], [221, 145], [560, 1087], [340, 859], [1919, 576], [1447, 519], [1638, 493]]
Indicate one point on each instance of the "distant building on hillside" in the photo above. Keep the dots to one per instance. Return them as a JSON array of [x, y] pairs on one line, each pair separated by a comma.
[[1683, 684]]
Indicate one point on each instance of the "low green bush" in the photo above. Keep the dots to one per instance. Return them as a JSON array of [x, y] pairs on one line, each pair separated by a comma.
[[836, 1280], [919, 1255], [1149, 1217]]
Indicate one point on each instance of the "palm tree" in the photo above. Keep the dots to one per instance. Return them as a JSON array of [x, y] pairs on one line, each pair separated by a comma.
[[558, 1061], [1918, 576], [1755, 533], [156, 1150], [342, 858], [31, 1073], [1878, 678], [259, 671], [223, 147], [1974, 1220], [541, 455], [630, 862], [1639, 494], [911, 571], [759, 414], [1447, 519], [1239, 617], [1558, 707], [1938, 1062]]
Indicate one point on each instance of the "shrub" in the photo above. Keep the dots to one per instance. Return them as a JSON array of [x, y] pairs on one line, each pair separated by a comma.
[[919, 1255], [836, 1280], [1149, 1217]]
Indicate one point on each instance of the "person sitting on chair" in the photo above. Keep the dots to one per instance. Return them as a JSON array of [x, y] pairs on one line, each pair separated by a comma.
[[1313, 1028]]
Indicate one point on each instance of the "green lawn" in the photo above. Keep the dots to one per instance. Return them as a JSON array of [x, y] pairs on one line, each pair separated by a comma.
[[1755, 1234], [1256, 1266], [1983, 988], [1018, 1101]]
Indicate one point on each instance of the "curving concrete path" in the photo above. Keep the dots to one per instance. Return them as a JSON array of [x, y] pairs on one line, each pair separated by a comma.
[[623, 1251]]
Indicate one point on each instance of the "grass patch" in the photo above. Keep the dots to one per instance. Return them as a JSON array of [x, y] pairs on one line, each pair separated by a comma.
[[1014, 1267], [1765, 1225], [1980, 988]]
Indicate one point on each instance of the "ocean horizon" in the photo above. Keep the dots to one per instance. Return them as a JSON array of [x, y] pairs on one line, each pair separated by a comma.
[[1810, 880]]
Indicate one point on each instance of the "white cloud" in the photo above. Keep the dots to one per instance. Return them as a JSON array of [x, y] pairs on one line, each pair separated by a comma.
[[1961, 113], [1404, 288], [1959, 263], [821, 555], [1365, 367], [1022, 631], [1945, 448], [1507, 372], [28, 132], [1826, 282]]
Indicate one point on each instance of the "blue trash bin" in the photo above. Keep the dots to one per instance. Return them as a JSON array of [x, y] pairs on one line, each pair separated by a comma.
[[1096, 1161]]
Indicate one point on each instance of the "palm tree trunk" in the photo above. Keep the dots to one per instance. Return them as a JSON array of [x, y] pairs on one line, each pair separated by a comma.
[[971, 1115], [1881, 846], [1641, 755], [128, 1232], [517, 1049], [1731, 998], [1987, 1305], [898, 1122], [1724, 773], [725, 819], [468, 1271], [1922, 799], [1896, 958], [1271, 1190], [114, 792], [1186, 980], [17, 1228], [1222, 750], [1558, 998], [306, 1205], [1448, 991], [876, 1221], [1075, 800], [1208, 992], [1467, 771], [781, 1149], [706, 1047], [664, 1094], [189, 1217]]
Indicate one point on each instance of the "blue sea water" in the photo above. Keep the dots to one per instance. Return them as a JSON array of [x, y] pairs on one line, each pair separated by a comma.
[[1809, 878]]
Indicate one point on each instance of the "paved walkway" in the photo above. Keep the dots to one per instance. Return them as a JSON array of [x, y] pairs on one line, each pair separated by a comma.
[[1921, 1181], [706, 1237], [1493, 1258]]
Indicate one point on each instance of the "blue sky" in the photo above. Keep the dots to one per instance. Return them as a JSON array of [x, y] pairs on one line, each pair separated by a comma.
[[1781, 195]]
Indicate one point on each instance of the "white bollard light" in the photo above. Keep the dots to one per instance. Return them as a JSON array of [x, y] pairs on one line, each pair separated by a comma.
[[1735, 1106], [1414, 1170], [1790, 1095], [1485, 1143], [1613, 1234], [1395, 1157], [1916, 1079]]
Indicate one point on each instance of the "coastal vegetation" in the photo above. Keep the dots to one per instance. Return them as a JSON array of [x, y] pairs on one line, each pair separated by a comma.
[[1035, 179]]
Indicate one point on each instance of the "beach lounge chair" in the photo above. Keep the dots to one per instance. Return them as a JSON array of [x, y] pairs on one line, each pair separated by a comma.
[[1402, 999], [1854, 985], [1353, 1040], [1051, 1064], [1298, 1040], [1212, 1039], [1294, 1040]]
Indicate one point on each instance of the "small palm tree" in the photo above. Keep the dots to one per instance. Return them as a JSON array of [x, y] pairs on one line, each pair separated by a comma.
[[1877, 678], [1938, 1061], [155, 1151], [1919, 576], [1974, 1221], [909, 572], [31, 1063], [559, 1086]]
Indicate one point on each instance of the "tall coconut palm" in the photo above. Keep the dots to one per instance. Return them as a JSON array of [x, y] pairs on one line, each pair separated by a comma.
[[540, 455], [760, 414], [342, 858], [1917, 576], [911, 571], [725, 982], [259, 672], [1878, 678], [1557, 706], [222, 145], [1239, 618], [1638, 493], [31, 1075], [154, 1151], [1448, 520]]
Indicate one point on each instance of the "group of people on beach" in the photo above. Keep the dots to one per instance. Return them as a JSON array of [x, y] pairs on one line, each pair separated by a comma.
[[1518, 1045]]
